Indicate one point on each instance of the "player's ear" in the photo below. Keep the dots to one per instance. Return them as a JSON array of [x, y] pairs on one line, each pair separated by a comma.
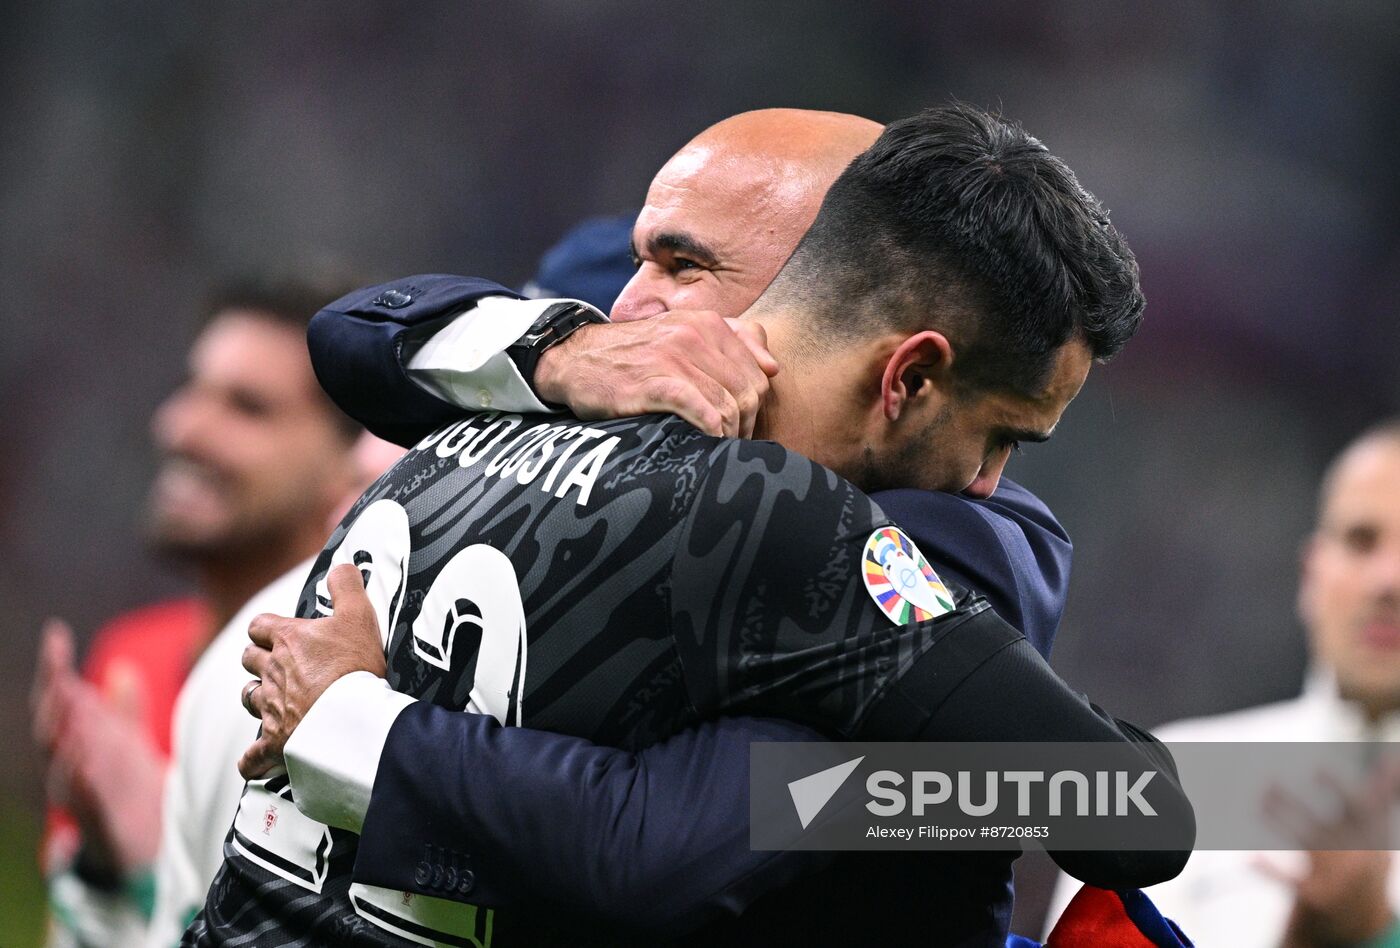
[[918, 374]]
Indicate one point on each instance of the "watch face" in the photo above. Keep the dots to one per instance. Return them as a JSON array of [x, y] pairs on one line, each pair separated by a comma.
[[555, 325]]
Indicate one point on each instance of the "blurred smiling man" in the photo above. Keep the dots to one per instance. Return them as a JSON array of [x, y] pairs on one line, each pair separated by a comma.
[[254, 460], [254, 455]]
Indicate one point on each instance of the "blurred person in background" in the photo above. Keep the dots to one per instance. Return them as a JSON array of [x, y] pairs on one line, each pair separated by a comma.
[[254, 459], [1349, 603], [210, 730], [591, 262]]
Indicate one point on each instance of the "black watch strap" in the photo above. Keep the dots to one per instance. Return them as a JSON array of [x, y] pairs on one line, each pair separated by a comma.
[[558, 322]]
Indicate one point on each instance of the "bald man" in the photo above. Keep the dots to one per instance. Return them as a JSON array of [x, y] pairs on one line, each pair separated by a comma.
[[720, 219], [1349, 604], [698, 245], [723, 214]]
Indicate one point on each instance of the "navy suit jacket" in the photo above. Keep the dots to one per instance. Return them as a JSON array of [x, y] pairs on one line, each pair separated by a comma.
[[656, 840]]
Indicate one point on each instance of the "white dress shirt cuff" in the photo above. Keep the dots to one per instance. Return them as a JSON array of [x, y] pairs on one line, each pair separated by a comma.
[[333, 754], [465, 362]]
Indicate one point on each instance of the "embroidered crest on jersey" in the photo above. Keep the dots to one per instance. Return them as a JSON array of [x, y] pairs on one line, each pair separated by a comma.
[[900, 580]]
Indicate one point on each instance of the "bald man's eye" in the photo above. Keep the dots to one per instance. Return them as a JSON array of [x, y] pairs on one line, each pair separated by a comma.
[[674, 265], [686, 268], [1360, 539]]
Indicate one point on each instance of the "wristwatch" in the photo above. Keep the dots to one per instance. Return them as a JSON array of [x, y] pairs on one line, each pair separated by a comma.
[[557, 323]]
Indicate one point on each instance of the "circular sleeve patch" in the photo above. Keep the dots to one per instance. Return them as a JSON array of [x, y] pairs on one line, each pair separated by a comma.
[[900, 580]]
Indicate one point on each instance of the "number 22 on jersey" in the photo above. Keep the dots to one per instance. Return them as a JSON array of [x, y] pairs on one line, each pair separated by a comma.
[[473, 601]]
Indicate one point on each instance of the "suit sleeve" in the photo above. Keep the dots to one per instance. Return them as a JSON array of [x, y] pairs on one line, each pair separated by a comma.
[[358, 350], [663, 832]]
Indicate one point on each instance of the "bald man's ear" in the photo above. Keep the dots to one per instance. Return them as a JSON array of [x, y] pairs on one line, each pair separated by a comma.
[[918, 374]]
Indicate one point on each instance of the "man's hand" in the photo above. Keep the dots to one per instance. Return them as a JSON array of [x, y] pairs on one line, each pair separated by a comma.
[[298, 659], [55, 678], [101, 765], [1340, 898], [710, 371]]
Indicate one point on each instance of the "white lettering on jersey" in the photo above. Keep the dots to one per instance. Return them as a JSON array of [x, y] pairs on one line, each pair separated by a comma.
[[490, 436], [586, 472], [502, 463], [545, 447], [526, 455], [454, 442], [582, 436]]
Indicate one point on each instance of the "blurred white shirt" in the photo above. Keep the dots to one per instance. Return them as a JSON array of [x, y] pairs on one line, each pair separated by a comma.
[[1221, 897], [211, 731]]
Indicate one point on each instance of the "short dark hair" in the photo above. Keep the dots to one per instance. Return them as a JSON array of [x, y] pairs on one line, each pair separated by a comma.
[[960, 221], [287, 301], [291, 300]]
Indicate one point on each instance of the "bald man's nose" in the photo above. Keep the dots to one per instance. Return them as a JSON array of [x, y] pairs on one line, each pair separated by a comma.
[[641, 298]]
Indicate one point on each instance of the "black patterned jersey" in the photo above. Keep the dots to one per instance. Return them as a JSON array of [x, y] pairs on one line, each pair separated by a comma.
[[615, 580]]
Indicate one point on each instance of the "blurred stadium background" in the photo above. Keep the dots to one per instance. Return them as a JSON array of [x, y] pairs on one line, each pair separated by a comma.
[[1246, 149]]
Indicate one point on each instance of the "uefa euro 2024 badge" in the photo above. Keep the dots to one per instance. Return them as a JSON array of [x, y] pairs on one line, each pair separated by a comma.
[[900, 580]]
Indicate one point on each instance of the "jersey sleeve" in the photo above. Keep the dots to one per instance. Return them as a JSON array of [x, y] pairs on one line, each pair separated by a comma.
[[1009, 547], [794, 596]]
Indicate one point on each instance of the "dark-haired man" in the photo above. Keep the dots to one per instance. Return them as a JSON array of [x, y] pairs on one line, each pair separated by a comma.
[[721, 217], [721, 576], [253, 459]]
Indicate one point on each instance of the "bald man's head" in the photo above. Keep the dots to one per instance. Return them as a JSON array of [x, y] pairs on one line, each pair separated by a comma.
[[806, 148], [726, 211], [1349, 596]]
